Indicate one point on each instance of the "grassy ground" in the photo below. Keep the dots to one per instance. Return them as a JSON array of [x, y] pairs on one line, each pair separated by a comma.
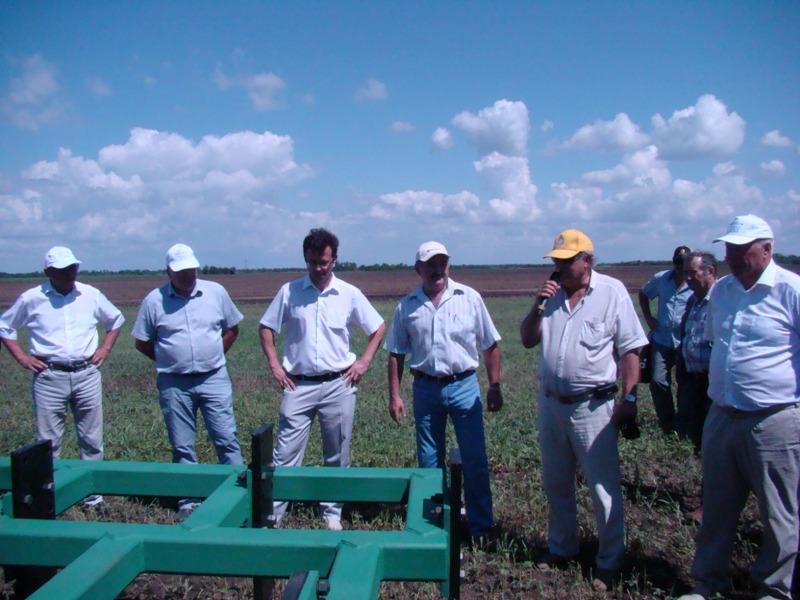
[[660, 474]]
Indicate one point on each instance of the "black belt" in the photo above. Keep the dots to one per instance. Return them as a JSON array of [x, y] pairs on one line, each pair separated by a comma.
[[699, 376], [72, 366], [319, 378], [602, 392], [444, 379], [759, 412]]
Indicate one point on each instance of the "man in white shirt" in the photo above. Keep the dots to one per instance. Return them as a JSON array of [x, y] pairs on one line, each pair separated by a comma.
[[588, 331], [440, 324], [318, 373], [751, 431], [62, 317]]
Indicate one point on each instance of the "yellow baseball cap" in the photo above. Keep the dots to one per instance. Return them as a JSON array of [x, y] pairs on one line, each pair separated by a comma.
[[569, 243]]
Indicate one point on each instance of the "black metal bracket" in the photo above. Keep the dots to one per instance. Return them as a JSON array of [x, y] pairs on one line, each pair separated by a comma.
[[33, 497], [454, 499]]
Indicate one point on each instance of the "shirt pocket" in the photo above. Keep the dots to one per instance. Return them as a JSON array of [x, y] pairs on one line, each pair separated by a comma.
[[336, 319], [462, 329], [592, 334]]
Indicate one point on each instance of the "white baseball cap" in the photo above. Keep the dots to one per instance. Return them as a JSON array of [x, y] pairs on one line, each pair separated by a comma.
[[746, 228], [60, 257], [430, 249], [181, 257]]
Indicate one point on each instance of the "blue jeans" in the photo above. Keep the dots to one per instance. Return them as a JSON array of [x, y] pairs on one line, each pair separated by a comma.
[[181, 396], [663, 359], [461, 400]]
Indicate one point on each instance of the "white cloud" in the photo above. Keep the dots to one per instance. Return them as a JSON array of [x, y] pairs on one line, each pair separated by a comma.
[[98, 86], [643, 169], [263, 89], [621, 134], [773, 168], [776, 139], [502, 127], [34, 99], [509, 178], [442, 139], [706, 129], [547, 125], [159, 186], [149, 81], [424, 203], [371, 89], [401, 127]]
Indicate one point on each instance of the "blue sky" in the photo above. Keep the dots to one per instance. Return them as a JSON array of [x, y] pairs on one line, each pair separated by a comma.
[[235, 127]]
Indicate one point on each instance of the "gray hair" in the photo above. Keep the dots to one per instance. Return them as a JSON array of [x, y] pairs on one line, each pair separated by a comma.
[[707, 260]]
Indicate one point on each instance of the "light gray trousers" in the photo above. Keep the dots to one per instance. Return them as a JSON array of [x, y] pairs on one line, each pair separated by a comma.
[[334, 403], [743, 454]]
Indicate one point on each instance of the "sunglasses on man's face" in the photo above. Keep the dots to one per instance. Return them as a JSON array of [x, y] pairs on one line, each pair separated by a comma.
[[565, 262]]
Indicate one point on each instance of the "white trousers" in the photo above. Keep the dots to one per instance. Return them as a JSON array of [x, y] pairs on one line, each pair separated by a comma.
[[334, 403]]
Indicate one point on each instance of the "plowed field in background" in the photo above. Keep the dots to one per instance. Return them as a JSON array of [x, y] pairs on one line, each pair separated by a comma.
[[261, 287]]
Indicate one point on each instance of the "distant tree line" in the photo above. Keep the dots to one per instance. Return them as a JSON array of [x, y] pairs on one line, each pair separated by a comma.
[[783, 259]]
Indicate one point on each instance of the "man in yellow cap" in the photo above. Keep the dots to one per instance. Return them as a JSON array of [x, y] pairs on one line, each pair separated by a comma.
[[583, 321]]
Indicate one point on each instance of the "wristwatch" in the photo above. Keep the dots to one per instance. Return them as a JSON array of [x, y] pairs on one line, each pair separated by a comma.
[[630, 398]]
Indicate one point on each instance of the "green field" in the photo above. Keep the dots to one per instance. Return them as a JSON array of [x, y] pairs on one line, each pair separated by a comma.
[[660, 474]]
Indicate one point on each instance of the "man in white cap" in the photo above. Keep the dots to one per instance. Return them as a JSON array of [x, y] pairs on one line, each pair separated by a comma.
[[186, 326], [751, 431], [318, 372], [588, 331], [62, 316], [440, 324]]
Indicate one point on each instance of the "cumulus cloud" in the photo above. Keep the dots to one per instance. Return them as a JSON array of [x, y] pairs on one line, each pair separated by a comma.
[[503, 127], [98, 86], [158, 186], [442, 139], [643, 169], [34, 98], [706, 129], [546, 125], [509, 178], [621, 134], [773, 168], [401, 127], [424, 203], [776, 139], [263, 89], [371, 89]]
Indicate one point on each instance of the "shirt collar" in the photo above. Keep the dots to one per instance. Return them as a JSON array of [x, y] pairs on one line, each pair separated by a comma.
[[453, 288], [768, 276], [195, 292], [333, 286], [49, 290]]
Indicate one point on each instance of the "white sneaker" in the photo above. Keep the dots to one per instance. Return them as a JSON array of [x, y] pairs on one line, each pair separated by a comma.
[[92, 500], [692, 597], [333, 524]]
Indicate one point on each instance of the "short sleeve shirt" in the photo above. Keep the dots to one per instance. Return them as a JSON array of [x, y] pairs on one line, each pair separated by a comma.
[[318, 324], [61, 328], [695, 348], [187, 331], [755, 336], [580, 346], [442, 340], [671, 305]]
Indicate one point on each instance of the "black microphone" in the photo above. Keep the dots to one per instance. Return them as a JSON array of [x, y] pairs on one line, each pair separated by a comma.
[[554, 276]]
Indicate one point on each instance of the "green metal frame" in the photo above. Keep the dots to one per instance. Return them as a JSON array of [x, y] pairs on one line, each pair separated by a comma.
[[99, 560]]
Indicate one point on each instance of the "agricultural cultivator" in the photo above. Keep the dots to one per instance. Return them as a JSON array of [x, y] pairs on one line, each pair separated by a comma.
[[230, 533]]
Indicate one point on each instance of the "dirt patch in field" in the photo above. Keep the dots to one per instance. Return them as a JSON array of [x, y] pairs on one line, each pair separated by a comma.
[[262, 287]]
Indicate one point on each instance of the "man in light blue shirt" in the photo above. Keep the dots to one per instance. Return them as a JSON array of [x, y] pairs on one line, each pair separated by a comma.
[[754, 327], [672, 292], [186, 326]]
